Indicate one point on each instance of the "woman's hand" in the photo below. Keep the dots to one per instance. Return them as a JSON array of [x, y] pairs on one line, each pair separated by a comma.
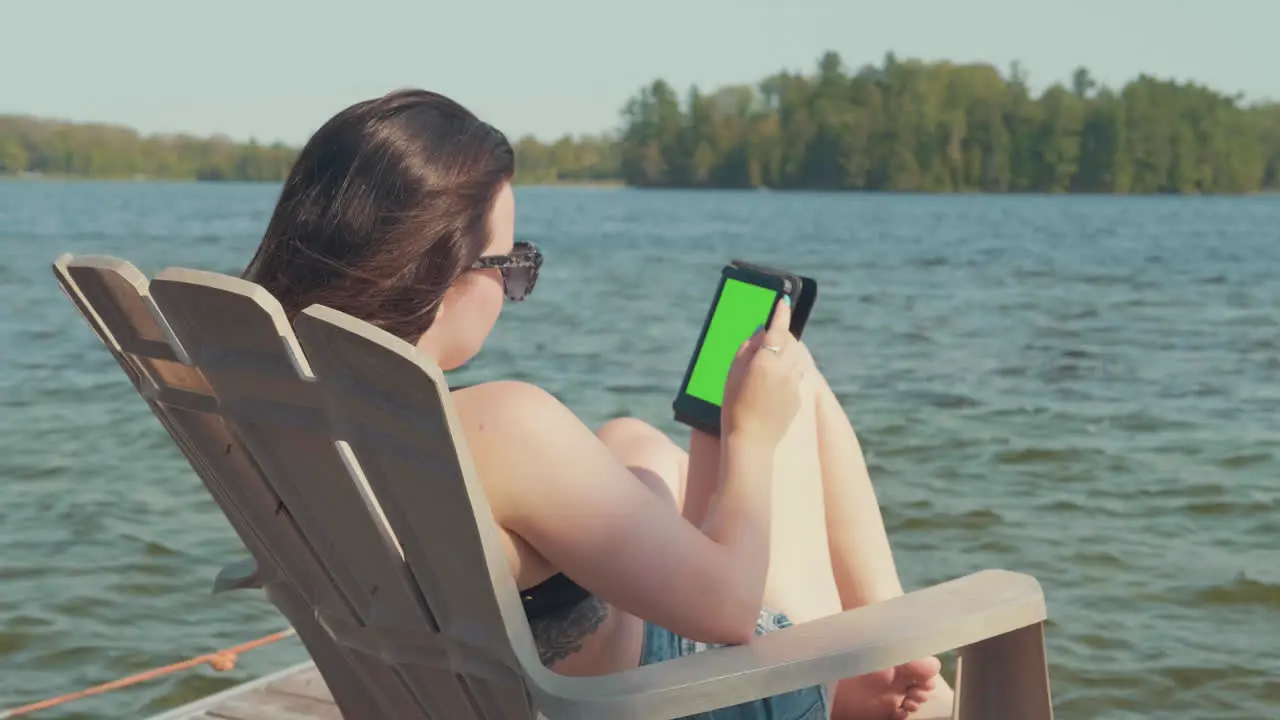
[[762, 394]]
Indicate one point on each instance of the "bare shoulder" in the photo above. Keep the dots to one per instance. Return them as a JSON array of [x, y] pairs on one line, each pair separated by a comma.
[[502, 391], [506, 405], [504, 423], [514, 430]]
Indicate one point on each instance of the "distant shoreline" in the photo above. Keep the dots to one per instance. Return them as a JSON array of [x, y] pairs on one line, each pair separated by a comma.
[[620, 185], [60, 177], [898, 126]]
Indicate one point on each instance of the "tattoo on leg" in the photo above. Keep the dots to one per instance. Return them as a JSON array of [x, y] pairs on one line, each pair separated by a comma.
[[560, 636]]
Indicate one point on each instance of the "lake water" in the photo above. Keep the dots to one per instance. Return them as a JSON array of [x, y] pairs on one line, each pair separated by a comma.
[[1086, 389]]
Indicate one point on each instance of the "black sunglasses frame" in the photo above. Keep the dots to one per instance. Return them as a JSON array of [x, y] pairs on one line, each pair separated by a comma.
[[524, 256]]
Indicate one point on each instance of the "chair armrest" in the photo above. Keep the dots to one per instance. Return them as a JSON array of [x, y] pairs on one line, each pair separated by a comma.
[[926, 622], [239, 575]]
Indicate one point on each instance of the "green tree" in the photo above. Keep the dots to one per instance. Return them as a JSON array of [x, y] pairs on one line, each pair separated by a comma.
[[907, 125], [901, 125], [13, 156]]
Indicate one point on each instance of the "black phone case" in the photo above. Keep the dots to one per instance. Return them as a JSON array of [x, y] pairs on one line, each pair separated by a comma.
[[803, 296], [803, 292]]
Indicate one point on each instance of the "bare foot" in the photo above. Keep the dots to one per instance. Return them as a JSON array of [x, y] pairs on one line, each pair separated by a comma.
[[933, 701], [887, 694]]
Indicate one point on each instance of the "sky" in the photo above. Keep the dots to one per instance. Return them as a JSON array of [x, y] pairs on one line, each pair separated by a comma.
[[277, 69]]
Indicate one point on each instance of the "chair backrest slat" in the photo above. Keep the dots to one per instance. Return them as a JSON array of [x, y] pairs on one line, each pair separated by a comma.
[[113, 297], [354, 432], [392, 408]]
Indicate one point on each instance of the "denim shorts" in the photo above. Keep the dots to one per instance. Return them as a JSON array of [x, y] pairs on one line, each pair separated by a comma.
[[804, 704]]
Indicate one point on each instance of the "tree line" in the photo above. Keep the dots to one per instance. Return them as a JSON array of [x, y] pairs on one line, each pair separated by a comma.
[[902, 125], [94, 150], [36, 146], [941, 127]]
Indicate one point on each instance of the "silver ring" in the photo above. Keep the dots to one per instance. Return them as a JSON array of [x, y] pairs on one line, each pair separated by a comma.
[[772, 348]]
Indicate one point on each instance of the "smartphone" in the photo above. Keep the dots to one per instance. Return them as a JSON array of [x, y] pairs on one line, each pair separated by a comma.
[[803, 299], [745, 299]]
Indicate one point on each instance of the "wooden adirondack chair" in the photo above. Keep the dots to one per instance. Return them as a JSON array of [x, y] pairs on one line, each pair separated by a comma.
[[335, 452]]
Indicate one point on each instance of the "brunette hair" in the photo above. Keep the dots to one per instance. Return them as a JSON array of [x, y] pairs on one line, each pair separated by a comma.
[[386, 206]]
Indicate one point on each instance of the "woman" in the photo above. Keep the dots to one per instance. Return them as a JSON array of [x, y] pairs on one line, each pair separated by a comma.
[[627, 550]]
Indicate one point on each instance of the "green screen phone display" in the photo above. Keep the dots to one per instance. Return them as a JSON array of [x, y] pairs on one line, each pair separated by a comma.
[[741, 309]]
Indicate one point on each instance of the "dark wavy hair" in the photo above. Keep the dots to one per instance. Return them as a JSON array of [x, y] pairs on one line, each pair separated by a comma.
[[385, 207]]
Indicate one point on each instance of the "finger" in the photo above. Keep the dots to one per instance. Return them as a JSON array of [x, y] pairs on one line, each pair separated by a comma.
[[781, 315], [792, 362], [748, 349], [754, 342], [779, 333]]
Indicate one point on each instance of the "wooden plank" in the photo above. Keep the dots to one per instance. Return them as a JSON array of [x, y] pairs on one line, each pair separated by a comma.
[[305, 684], [233, 697], [263, 704]]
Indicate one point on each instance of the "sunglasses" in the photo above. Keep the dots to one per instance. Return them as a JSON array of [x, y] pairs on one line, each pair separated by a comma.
[[519, 269]]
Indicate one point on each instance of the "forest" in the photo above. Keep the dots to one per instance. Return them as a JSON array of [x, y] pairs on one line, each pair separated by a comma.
[[57, 148], [899, 126]]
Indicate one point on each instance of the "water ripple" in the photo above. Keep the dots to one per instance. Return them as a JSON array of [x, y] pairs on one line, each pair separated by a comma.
[[1079, 388]]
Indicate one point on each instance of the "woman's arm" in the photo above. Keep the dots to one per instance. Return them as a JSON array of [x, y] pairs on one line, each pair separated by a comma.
[[594, 520], [590, 517]]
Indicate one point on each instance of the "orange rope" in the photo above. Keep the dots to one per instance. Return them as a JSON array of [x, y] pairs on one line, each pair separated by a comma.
[[221, 660]]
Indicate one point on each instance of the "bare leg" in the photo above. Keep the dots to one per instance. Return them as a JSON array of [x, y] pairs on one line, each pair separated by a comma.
[[650, 455], [798, 582], [704, 476], [860, 554], [805, 590], [861, 558]]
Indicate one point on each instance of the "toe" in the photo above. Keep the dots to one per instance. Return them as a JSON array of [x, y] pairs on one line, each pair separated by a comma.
[[873, 695], [910, 705], [917, 695], [919, 671]]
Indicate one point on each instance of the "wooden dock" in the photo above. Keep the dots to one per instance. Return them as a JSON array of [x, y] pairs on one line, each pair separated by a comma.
[[296, 693]]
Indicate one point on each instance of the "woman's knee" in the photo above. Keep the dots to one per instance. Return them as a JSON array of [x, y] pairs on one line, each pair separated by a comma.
[[655, 459], [628, 433]]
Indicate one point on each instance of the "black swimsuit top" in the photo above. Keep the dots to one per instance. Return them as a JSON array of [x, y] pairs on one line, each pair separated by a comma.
[[552, 596]]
